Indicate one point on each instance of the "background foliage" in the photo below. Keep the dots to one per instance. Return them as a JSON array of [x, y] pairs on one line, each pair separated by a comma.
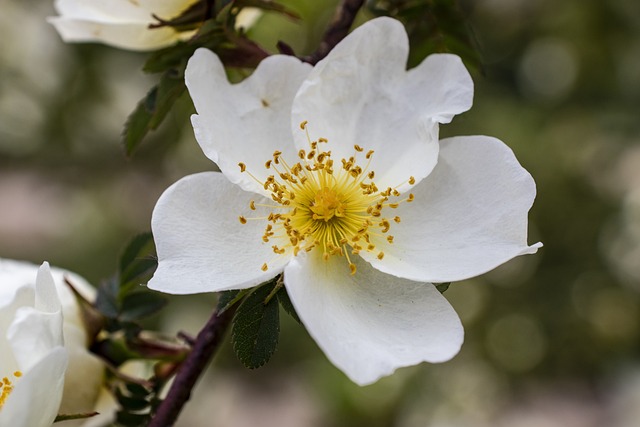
[[551, 339]]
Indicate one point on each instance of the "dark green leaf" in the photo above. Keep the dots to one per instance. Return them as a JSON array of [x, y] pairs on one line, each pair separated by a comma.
[[442, 287], [107, 299], [175, 57], [256, 327], [137, 390], [285, 302], [131, 403], [152, 110], [138, 262], [127, 419], [138, 305], [230, 298]]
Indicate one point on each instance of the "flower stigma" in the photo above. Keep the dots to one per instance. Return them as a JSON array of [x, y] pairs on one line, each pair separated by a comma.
[[6, 387], [335, 208]]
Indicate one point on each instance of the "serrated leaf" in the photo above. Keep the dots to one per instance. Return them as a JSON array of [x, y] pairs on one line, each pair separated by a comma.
[[285, 302], [138, 305], [152, 109], [442, 287], [137, 263], [229, 298], [256, 327]]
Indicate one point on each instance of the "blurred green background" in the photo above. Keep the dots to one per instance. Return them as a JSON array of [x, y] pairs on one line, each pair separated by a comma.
[[551, 339]]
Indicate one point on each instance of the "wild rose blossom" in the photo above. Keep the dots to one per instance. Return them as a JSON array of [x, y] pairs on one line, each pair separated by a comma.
[[32, 356], [126, 24], [83, 377], [334, 176]]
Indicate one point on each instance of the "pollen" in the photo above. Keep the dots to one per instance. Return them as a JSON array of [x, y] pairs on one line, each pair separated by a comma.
[[335, 208], [6, 387]]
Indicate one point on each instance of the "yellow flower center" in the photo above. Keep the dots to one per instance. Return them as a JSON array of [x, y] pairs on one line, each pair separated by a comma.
[[6, 387], [338, 210]]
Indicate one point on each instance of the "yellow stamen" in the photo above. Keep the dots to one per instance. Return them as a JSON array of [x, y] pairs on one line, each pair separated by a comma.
[[6, 387], [337, 210]]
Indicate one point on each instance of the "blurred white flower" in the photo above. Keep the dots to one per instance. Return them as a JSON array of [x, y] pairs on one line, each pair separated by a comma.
[[356, 238], [126, 24], [84, 375], [32, 356]]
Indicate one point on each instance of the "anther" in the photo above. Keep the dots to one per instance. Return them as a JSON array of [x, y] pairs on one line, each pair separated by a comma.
[[358, 148], [242, 219], [252, 205], [303, 124], [264, 267], [381, 255], [412, 180]]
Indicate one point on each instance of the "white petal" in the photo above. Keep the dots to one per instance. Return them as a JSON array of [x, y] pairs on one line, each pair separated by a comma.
[[244, 122], [33, 334], [35, 399], [133, 36], [23, 296], [362, 94], [46, 295], [121, 11], [369, 324], [202, 247], [104, 11], [469, 216]]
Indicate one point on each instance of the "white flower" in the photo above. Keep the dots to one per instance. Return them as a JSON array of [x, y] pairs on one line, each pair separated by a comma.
[[84, 375], [125, 23], [32, 357], [359, 208]]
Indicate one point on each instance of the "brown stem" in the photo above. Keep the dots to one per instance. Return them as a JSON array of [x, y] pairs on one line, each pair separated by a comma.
[[206, 344], [337, 30]]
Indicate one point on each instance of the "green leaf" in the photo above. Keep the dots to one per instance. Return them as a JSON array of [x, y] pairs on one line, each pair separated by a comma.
[[442, 287], [137, 263], [138, 305], [137, 390], [210, 35], [127, 419], [256, 327], [152, 109], [285, 302], [107, 299], [131, 403], [228, 299]]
